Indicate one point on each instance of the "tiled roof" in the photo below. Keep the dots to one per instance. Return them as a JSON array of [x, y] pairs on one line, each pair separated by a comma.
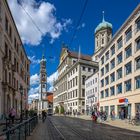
[[82, 56]]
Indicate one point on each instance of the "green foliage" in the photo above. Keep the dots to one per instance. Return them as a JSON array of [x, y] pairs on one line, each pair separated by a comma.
[[32, 112], [56, 110], [62, 110]]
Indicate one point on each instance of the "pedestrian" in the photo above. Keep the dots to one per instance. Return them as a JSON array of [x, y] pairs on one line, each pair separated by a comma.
[[122, 114], [12, 114], [43, 115]]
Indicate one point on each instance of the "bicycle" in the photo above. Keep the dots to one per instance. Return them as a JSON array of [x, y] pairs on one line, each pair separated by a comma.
[[135, 121]]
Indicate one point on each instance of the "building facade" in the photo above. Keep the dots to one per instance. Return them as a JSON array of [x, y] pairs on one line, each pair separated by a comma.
[[14, 64], [70, 85], [119, 72], [92, 93]]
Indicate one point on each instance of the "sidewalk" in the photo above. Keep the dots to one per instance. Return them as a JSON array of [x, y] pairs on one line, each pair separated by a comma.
[[117, 123]]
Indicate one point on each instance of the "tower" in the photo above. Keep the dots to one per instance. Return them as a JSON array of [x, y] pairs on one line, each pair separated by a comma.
[[43, 85], [103, 34]]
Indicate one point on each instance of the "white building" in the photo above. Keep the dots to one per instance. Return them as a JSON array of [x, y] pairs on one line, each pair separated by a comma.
[[92, 93], [119, 65], [70, 85]]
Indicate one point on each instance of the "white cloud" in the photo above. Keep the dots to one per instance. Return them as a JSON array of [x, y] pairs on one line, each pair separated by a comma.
[[43, 14], [81, 26], [34, 90], [51, 79], [34, 79], [33, 96], [34, 60]]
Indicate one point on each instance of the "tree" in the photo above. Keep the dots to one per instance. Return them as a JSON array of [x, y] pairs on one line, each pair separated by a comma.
[[62, 110], [56, 110]]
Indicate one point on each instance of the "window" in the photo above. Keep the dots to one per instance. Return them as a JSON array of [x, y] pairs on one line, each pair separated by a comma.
[[74, 61], [128, 85], [95, 80], [76, 92], [6, 24], [137, 60], [128, 34], [102, 71], [83, 92], [84, 68], [112, 63], [137, 81], [119, 42], [107, 55], [107, 80], [128, 51], [137, 44], [137, 24], [112, 77], [107, 68], [119, 73], [102, 40], [76, 80], [128, 68], [83, 79], [112, 91], [83, 103], [119, 58], [102, 94], [102, 60], [89, 69], [113, 50], [6, 50], [106, 93], [10, 33], [119, 88], [102, 82]]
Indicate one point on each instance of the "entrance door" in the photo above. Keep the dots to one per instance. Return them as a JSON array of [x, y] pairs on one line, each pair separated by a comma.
[[124, 109]]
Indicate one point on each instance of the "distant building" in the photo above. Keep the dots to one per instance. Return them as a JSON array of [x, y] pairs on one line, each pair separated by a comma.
[[92, 93], [70, 85], [14, 64], [119, 71]]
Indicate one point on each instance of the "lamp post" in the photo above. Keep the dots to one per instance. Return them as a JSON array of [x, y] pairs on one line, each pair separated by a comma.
[[21, 93]]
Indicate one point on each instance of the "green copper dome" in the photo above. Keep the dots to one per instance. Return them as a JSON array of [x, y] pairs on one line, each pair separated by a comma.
[[104, 24]]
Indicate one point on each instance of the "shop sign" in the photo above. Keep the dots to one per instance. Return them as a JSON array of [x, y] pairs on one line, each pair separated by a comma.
[[122, 100]]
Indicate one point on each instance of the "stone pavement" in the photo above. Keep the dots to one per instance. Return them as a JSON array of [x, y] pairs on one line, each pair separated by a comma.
[[117, 123]]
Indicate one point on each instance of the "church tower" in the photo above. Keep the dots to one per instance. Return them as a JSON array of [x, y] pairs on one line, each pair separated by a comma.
[[43, 85], [103, 34]]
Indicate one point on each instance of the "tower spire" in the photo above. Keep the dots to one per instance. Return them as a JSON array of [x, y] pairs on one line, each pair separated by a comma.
[[103, 20], [43, 53]]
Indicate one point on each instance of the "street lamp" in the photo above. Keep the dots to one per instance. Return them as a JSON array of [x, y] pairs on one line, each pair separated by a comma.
[[21, 93]]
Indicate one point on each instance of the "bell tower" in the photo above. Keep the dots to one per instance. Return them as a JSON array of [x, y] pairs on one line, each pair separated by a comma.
[[43, 85], [103, 34]]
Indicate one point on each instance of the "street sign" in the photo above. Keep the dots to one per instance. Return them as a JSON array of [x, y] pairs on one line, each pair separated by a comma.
[[126, 100]]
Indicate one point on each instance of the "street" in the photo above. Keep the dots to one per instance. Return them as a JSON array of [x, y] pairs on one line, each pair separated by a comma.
[[60, 127]]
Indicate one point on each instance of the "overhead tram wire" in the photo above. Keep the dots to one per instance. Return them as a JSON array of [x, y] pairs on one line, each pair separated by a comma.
[[78, 23]]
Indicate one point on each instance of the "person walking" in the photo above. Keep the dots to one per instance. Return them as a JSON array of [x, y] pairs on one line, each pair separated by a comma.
[[12, 114], [43, 115]]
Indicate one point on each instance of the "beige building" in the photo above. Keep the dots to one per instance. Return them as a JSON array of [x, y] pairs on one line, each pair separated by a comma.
[[14, 64], [70, 85], [119, 66]]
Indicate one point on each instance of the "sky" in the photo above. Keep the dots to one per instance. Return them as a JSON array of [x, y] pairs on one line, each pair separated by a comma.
[[45, 24]]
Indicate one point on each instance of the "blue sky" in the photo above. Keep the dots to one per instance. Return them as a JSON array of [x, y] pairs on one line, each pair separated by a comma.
[[57, 20]]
